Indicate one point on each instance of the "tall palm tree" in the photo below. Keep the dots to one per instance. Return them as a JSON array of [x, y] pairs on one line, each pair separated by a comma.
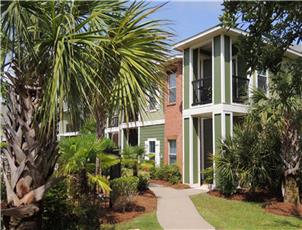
[[58, 52], [281, 113]]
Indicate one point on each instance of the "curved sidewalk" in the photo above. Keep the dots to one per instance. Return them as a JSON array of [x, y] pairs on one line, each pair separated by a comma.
[[175, 209]]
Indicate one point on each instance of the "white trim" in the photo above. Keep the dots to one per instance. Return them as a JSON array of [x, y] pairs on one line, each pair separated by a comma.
[[222, 68], [190, 76], [214, 147], [183, 140], [231, 71], [68, 134], [202, 145], [157, 150], [178, 45], [191, 148], [198, 149], [213, 70], [138, 135], [135, 124], [217, 108], [122, 139], [232, 127]]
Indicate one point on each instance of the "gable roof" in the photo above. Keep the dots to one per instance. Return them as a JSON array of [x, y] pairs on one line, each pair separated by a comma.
[[214, 31]]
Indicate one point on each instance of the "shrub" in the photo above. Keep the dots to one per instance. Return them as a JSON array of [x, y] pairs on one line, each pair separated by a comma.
[[143, 183], [123, 191], [208, 175], [57, 212], [167, 172]]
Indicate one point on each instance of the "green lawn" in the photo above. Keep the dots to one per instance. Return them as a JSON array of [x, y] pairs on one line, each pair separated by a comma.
[[227, 214], [146, 221]]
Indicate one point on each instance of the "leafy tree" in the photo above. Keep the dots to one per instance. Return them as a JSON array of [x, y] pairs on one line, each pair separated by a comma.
[[281, 112], [58, 52], [272, 26]]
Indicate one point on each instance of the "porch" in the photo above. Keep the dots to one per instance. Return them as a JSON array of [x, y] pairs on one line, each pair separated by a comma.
[[202, 135]]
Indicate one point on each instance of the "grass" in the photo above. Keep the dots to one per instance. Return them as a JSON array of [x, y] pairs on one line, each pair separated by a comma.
[[229, 214], [146, 221]]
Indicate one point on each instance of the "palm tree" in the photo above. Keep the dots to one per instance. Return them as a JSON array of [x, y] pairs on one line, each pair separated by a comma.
[[281, 113], [58, 52]]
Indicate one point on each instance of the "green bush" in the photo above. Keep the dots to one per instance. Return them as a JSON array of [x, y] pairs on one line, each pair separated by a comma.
[[57, 212], [143, 183], [167, 172], [123, 191]]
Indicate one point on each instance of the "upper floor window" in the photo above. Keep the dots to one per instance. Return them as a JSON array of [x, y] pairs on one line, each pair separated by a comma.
[[152, 103], [172, 88], [262, 80]]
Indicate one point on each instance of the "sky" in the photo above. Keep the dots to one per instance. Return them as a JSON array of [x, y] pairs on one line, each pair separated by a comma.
[[189, 17]]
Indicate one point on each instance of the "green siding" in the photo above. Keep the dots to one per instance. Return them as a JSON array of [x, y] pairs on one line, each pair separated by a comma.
[[217, 120], [153, 131], [227, 69], [228, 125], [155, 115], [217, 71], [186, 78], [195, 64], [187, 151], [195, 150]]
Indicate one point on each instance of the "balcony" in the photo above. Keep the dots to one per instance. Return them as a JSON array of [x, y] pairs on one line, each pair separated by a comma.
[[240, 89], [202, 91]]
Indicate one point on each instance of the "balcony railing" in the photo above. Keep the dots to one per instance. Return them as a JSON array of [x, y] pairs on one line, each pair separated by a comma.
[[240, 89], [202, 91]]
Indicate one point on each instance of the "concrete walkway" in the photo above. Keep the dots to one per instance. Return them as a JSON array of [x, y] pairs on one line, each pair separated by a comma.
[[175, 209]]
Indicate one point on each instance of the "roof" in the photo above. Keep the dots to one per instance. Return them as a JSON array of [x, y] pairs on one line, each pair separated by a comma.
[[218, 29]]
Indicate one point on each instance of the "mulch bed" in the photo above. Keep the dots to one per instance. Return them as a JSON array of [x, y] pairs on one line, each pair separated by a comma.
[[284, 209], [271, 202], [167, 184], [143, 203]]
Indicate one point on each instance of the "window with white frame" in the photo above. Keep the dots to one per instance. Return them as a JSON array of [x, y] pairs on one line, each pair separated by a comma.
[[152, 103], [262, 80], [172, 152], [172, 88], [151, 146]]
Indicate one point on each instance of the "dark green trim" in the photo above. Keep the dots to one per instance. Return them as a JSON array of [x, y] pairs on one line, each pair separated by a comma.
[[217, 70], [195, 150], [186, 78], [228, 125], [217, 124], [227, 69], [186, 150]]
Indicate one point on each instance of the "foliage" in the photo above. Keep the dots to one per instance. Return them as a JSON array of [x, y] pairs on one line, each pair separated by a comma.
[[143, 183], [72, 53], [248, 161], [132, 157], [167, 172], [57, 211], [89, 126], [229, 214], [123, 191], [273, 26], [208, 175], [77, 161]]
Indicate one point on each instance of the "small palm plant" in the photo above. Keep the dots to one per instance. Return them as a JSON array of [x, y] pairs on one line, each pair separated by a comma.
[[77, 161], [132, 157]]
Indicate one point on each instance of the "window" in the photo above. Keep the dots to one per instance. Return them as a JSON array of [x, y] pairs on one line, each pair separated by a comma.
[[151, 146], [172, 152], [152, 103], [262, 80], [172, 88]]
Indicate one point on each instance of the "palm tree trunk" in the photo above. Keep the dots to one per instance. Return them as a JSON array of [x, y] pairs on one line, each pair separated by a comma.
[[30, 157], [291, 190]]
